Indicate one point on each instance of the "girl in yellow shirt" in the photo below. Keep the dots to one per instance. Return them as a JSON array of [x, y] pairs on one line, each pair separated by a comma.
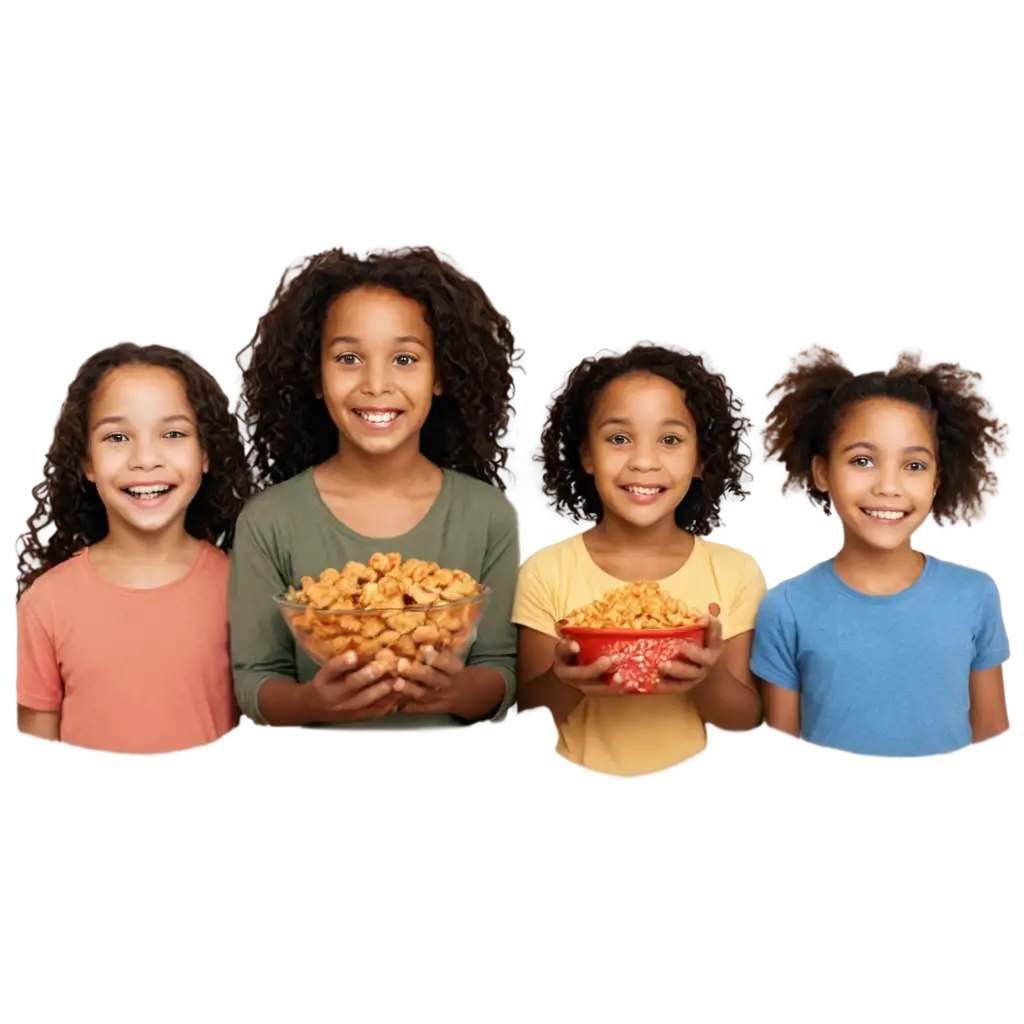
[[646, 445]]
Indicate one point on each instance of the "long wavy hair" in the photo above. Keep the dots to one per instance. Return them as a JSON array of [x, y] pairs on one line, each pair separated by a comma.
[[70, 504], [474, 350]]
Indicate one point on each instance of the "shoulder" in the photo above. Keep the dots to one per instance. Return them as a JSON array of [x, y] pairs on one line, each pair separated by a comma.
[[54, 583], [481, 498], [215, 562], [276, 500], [973, 587], [552, 558], [786, 598], [733, 561]]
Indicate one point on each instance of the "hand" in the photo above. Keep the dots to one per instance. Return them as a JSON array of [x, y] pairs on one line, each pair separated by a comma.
[[681, 676], [342, 692], [584, 678], [429, 687]]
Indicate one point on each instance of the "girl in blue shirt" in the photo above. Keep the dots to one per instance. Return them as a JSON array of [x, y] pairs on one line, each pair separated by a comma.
[[884, 650]]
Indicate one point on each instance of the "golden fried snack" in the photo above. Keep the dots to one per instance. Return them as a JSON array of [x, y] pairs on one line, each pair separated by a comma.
[[397, 609], [640, 605]]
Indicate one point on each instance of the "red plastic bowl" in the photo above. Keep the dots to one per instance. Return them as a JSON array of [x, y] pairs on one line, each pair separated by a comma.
[[641, 650]]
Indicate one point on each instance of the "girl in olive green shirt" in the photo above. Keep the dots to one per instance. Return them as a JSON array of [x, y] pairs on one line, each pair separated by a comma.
[[376, 393]]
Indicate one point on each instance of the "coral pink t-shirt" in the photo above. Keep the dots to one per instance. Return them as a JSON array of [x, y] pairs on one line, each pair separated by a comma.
[[134, 671]]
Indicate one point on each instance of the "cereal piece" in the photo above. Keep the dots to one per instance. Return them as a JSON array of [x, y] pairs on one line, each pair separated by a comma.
[[428, 634], [329, 576], [372, 626], [640, 605], [405, 646]]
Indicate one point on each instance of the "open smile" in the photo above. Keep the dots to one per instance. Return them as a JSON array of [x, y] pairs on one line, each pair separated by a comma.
[[148, 495], [885, 515], [377, 419], [643, 494]]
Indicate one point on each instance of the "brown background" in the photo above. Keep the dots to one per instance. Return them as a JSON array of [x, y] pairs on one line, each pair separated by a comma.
[[156, 168]]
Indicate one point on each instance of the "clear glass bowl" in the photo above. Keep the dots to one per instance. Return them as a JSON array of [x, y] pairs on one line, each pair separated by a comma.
[[384, 634]]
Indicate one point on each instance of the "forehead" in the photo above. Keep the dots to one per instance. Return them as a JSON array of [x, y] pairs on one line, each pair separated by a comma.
[[885, 421], [365, 313], [140, 389], [642, 397]]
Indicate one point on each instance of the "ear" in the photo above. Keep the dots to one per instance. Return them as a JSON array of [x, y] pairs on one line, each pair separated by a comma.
[[698, 470], [586, 458], [206, 463], [819, 473], [87, 470], [438, 390]]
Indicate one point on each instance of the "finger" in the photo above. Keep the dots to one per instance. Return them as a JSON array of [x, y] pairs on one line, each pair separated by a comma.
[[715, 610], [424, 675], [681, 670], [674, 685], [698, 655], [566, 651], [363, 677], [714, 635], [369, 696], [340, 665], [581, 673], [443, 661], [412, 690]]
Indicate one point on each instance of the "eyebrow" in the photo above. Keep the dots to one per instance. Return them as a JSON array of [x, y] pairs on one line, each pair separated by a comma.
[[122, 419], [874, 448], [616, 421], [402, 339]]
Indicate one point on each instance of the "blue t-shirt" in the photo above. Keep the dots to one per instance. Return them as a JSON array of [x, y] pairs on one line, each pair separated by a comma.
[[882, 675]]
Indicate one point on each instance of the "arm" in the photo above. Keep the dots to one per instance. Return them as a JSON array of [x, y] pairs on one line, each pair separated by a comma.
[[262, 649], [40, 687], [492, 658], [43, 724], [728, 697], [536, 613], [992, 648], [538, 686], [774, 663]]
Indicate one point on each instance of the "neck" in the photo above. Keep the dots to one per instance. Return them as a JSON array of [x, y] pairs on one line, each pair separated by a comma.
[[125, 542], [663, 535], [878, 562], [398, 467]]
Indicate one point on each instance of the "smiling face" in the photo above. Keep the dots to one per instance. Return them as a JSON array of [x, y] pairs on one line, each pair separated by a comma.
[[144, 454], [882, 472], [377, 370], [641, 448]]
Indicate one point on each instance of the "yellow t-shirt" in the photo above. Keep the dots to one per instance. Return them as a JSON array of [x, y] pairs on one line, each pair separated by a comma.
[[635, 733]]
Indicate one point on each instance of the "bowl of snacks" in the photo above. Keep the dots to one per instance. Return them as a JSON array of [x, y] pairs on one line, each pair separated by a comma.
[[384, 611], [639, 623]]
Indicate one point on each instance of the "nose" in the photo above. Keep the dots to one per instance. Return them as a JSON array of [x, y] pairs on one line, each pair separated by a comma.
[[377, 377], [145, 455], [644, 457], [887, 481]]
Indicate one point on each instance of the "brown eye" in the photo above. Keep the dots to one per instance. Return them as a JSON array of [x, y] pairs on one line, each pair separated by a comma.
[[619, 439]]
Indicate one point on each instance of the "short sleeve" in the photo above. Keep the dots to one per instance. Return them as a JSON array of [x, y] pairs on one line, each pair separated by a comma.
[[261, 645], [495, 644], [534, 605], [741, 614], [39, 686], [991, 644], [773, 658]]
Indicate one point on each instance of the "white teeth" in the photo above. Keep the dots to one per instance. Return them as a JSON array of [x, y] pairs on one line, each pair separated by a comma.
[[148, 492], [645, 490], [879, 514], [378, 417]]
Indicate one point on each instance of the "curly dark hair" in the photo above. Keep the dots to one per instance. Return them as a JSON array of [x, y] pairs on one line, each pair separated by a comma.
[[475, 353], [70, 503], [818, 390], [714, 407]]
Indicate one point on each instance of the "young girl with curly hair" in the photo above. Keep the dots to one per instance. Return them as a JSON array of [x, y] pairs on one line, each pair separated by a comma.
[[883, 649], [646, 445], [122, 608], [377, 394]]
